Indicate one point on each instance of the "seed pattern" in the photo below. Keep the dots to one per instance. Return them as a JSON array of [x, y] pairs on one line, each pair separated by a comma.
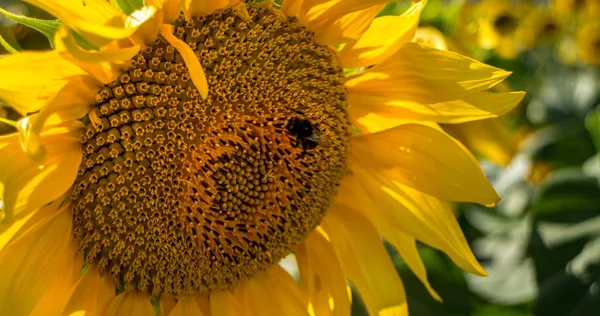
[[179, 195]]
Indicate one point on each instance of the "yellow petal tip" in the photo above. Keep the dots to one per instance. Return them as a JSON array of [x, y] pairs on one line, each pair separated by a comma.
[[480, 271]]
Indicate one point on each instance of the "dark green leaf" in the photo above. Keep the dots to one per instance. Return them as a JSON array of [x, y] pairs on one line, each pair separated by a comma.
[[567, 196], [561, 145], [592, 123]]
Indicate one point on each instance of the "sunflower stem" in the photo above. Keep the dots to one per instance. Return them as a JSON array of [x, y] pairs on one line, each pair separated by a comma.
[[7, 46]]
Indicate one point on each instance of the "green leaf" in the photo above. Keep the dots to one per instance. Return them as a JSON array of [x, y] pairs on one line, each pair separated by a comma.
[[562, 145], [46, 27], [483, 309], [358, 306], [445, 277], [395, 8], [571, 292], [431, 12], [568, 196], [128, 6], [592, 123]]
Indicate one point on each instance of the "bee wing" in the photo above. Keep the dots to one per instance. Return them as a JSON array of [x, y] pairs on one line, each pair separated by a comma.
[[320, 139]]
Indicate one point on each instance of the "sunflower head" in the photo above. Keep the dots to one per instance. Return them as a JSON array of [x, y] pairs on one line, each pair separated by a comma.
[[540, 27], [588, 42], [500, 23], [211, 191], [176, 152], [505, 23]]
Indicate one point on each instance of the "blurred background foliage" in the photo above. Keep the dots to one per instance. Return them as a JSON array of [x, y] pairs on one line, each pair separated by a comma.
[[541, 244]]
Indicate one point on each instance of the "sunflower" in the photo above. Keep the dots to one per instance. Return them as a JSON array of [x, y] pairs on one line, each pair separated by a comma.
[[571, 9], [169, 159], [588, 42], [540, 27], [499, 23]]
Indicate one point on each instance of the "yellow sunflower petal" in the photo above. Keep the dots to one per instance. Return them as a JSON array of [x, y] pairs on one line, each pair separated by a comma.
[[99, 35], [27, 184], [424, 217], [476, 106], [97, 20], [36, 217], [131, 303], [65, 42], [170, 9], [96, 11], [191, 60], [26, 265], [274, 293], [91, 295], [72, 102], [62, 286], [407, 248], [352, 194], [27, 78], [347, 28], [186, 306], [428, 76], [365, 260], [167, 304], [223, 303], [9, 229], [383, 38], [146, 21], [373, 123], [204, 304], [319, 12], [291, 7], [193, 8], [103, 72], [428, 160], [489, 138], [321, 277]]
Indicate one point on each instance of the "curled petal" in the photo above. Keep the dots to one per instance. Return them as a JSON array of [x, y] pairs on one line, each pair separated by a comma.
[[191, 60]]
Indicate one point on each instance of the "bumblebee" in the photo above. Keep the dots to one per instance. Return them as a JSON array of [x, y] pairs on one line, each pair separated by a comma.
[[306, 134]]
